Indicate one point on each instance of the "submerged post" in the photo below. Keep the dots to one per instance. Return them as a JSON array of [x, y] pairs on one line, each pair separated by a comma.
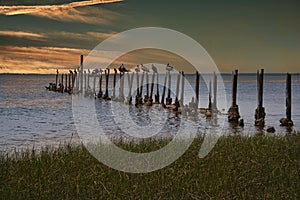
[[177, 93], [169, 99], [121, 89], [62, 83], [288, 120], [81, 73], [157, 89], [260, 110], [106, 86], [233, 112], [56, 80], [164, 91], [114, 85], [209, 96], [130, 82], [70, 86], [182, 88], [66, 82], [197, 89], [215, 88], [100, 93]]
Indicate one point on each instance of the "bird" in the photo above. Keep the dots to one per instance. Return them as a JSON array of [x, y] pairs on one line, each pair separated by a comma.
[[169, 67], [122, 69], [100, 70], [71, 72], [154, 69], [144, 68], [137, 69]]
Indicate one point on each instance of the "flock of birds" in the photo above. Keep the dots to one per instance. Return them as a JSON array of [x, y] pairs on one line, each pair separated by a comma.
[[123, 70]]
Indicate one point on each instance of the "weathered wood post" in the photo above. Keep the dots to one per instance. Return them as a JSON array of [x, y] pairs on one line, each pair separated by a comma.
[[177, 104], [260, 111], [100, 93], [62, 84], [233, 112], [121, 89], [85, 82], [182, 89], [142, 83], [138, 99], [81, 73], [75, 79], [150, 99], [197, 90], [164, 91], [288, 120], [169, 99], [70, 86], [209, 96], [130, 82], [56, 80], [106, 97], [66, 82], [146, 97], [114, 85], [157, 89], [94, 82], [215, 88]]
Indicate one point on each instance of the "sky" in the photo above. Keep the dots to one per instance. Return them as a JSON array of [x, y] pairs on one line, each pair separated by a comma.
[[41, 36]]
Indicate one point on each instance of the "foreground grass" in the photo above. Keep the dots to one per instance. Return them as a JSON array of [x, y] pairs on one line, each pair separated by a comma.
[[259, 167]]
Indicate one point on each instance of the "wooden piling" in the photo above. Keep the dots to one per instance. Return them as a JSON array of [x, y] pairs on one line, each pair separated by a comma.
[[197, 88], [81, 73], [106, 97], [94, 83], [233, 112], [100, 93], [121, 89], [62, 84], [182, 88], [169, 99], [114, 85], [56, 80], [215, 89], [177, 104], [138, 98], [288, 120], [152, 88], [146, 98], [157, 89], [69, 88], [260, 111], [164, 91], [130, 82], [66, 82], [209, 96]]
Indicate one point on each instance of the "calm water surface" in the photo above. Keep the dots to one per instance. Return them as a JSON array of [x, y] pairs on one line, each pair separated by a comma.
[[32, 116]]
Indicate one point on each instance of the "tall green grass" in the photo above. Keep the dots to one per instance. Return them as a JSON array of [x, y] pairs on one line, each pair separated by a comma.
[[258, 167]]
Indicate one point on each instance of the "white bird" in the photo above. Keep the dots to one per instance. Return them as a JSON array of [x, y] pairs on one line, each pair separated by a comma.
[[100, 71], [154, 69], [169, 67], [144, 68], [137, 69]]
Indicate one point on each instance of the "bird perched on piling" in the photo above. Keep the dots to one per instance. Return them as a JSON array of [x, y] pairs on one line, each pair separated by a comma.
[[169, 67], [71, 72], [137, 69], [154, 69], [144, 68], [122, 69]]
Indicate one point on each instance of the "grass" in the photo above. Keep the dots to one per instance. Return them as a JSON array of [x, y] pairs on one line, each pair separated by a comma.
[[257, 167]]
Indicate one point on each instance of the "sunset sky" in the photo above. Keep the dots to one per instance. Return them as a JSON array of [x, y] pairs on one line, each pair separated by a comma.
[[40, 36]]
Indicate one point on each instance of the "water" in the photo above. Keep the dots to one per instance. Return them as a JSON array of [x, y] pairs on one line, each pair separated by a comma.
[[32, 116]]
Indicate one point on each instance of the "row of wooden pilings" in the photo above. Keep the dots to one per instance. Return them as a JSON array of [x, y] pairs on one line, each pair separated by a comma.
[[78, 82]]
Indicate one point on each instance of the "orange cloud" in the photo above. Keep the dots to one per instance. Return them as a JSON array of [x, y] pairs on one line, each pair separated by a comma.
[[65, 12], [22, 34]]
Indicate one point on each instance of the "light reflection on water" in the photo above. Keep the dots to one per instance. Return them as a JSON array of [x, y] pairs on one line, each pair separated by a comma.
[[32, 116]]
